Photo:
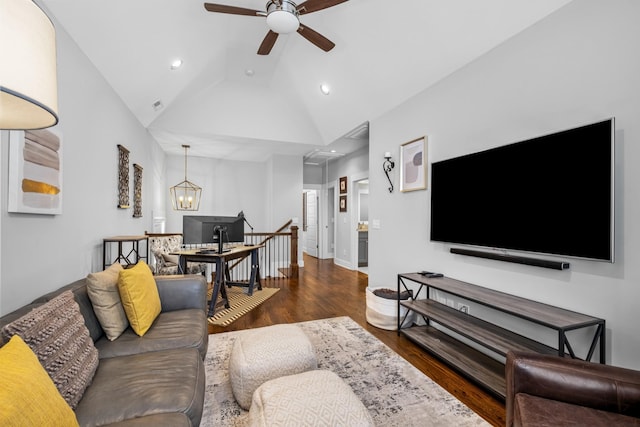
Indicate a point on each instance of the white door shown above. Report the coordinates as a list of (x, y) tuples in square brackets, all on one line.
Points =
[(312, 223)]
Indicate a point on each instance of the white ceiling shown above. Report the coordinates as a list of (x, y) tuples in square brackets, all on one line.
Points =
[(386, 52)]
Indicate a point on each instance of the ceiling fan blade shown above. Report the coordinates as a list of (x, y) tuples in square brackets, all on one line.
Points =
[(316, 38), (221, 8), (267, 43), (316, 5)]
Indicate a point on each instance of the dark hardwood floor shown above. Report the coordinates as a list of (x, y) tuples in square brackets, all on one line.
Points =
[(325, 290)]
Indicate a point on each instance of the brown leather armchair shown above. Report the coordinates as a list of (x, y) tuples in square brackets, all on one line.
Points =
[(545, 390)]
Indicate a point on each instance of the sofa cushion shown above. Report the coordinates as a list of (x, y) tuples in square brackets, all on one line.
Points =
[(28, 397), (56, 333), (103, 292), (267, 353), (317, 398), (140, 385), (174, 329), (140, 297), (158, 420), (537, 411)]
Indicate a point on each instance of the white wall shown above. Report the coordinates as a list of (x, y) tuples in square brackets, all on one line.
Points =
[(228, 187), (42, 252), (577, 66), (355, 167), (285, 194)]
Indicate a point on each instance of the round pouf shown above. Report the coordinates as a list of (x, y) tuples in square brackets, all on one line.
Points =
[(314, 398), (267, 353)]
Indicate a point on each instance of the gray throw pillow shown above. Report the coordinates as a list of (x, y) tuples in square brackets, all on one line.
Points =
[(57, 334), (103, 292)]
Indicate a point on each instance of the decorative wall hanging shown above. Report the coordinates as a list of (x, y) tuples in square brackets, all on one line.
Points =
[(123, 177), (343, 203), (343, 185), (35, 171), (413, 169), (137, 191)]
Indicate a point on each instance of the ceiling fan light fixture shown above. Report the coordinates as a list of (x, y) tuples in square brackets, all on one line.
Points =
[(282, 18)]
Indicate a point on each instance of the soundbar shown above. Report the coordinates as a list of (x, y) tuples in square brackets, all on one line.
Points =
[(536, 262)]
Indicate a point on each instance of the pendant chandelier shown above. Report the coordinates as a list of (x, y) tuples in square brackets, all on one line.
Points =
[(185, 196)]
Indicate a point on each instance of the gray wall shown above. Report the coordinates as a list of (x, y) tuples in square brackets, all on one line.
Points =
[(39, 253), (43, 252), (355, 167), (577, 66)]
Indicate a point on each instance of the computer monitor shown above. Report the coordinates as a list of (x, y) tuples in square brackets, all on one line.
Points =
[(206, 229)]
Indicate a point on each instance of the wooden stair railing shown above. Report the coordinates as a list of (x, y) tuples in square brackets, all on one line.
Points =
[(292, 236)]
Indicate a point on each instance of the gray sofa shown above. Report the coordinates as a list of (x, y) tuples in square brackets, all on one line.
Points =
[(154, 380)]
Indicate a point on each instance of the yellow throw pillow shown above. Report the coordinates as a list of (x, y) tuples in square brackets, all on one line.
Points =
[(28, 396), (140, 298)]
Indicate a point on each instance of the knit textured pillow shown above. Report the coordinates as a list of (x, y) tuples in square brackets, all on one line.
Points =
[(57, 334)]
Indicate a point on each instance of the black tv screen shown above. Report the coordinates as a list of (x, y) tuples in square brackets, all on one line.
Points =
[(550, 195)]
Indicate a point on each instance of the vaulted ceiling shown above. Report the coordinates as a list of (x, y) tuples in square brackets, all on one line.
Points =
[(228, 102)]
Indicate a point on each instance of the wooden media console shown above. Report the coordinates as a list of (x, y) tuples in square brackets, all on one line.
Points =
[(478, 366)]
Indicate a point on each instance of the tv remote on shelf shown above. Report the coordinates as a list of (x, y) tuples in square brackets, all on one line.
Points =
[(430, 274)]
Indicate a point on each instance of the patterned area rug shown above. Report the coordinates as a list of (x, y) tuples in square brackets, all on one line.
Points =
[(240, 304), (394, 391)]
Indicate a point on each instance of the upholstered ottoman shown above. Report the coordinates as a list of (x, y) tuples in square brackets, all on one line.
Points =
[(314, 398), (265, 354)]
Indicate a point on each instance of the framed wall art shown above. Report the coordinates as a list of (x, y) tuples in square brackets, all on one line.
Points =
[(343, 203), (123, 177), (413, 160), (35, 171), (343, 185)]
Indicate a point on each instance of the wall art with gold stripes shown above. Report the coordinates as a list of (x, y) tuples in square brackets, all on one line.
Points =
[(35, 171)]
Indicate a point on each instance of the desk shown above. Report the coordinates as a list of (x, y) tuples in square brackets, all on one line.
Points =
[(222, 269)]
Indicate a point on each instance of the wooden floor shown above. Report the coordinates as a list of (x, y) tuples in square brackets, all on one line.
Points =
[(325, 290)]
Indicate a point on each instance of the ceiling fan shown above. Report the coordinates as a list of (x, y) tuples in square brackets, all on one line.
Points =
[(282, 18)]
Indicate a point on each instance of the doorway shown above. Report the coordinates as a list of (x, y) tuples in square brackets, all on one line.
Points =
[(310, 222), (362, 211)]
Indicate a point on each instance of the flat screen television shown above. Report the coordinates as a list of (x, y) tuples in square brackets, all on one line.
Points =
[(550, 195), (198, 229)]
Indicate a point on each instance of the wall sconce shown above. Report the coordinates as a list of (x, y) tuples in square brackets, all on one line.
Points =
[(28, 83), (387, 166)]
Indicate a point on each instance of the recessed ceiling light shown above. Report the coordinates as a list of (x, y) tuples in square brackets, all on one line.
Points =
[(176, 64), (325, 89), (249, 72)]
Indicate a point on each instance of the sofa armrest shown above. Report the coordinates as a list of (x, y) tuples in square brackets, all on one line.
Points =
[(577, 382), (179, 292)]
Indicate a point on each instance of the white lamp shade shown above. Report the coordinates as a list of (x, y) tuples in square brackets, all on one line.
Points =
[(28, 81), (282, 22)]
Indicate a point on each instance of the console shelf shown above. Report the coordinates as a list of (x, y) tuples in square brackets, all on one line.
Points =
[(481, 368)]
